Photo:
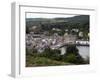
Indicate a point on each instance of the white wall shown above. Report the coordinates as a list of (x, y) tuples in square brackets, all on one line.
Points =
[(5, 39)]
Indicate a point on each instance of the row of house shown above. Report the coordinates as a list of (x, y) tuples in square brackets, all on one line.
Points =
[(42, 41)]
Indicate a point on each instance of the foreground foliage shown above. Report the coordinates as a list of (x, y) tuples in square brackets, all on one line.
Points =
[(53, 57)]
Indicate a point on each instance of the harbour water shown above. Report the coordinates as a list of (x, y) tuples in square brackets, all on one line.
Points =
[(84, 51)]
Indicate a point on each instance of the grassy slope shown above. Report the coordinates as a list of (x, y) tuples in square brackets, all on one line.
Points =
[(32, 61)]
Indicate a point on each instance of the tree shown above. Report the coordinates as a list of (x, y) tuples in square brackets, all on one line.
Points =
[(72, 49), (72, 55), (51, 54)]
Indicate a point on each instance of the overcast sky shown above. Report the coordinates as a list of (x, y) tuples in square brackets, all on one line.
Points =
[(39, 15)]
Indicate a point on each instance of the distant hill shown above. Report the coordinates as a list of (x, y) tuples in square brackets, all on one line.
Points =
[(80, 22)]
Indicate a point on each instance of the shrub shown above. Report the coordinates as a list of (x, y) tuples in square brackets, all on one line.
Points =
[(72, 49), (52, 54), (72, 55), (31, 51), (71, 58)]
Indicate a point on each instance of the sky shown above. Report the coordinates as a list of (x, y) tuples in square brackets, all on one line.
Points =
[(44, 15)]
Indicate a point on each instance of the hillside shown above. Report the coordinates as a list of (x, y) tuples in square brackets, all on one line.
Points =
[(80, 22)]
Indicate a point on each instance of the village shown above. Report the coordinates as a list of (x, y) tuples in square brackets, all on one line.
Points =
[(41, 41)]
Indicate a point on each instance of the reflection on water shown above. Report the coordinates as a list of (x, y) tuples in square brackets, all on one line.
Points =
[(84, 51)]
